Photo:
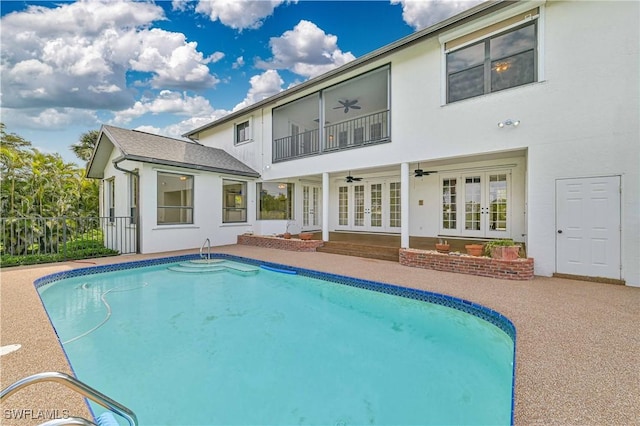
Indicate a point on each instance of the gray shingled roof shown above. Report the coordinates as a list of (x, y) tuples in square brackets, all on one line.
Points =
[(149, 148)]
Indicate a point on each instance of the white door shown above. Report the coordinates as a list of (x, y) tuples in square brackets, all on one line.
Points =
[(367, 198), (311, 207), (588, 226), (483, 200), (369, 206)]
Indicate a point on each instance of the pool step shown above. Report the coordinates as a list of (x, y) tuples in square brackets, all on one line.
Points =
[(215, 265)]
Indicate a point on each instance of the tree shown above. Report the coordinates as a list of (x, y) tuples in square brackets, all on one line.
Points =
[(84, 147)]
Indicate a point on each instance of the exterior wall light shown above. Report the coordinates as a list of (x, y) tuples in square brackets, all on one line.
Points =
[(509, 122)]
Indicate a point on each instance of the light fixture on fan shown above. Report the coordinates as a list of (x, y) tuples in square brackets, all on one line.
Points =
[(419, 172), (509, 122), (350, 178), (347, 105)]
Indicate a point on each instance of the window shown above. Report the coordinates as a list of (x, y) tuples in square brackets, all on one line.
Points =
[(243, 132), (234, 201), (476, 204), (495, 63), (275, 201), (343, 206), (395, 208), (133, 197), (110, 199), (175, 199)]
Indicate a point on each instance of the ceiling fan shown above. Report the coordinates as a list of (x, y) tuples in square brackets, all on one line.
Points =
[(352, 179), (347, 104), (419, 172)]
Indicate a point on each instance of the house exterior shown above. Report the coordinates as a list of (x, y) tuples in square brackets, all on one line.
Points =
[(510, 120)]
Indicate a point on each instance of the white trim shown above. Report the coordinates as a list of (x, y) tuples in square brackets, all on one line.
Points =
[(520, 7), (491, 34)]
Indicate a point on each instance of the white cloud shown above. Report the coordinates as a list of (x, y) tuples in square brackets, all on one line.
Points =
[(167, 102), (78, 55), (263, 85), (238, 14), (306, 50), (173, 62), (421, 13), (239, 63), (48, 119), (178, 129)]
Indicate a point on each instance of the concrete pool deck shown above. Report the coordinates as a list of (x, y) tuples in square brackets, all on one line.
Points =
[(578, 342)]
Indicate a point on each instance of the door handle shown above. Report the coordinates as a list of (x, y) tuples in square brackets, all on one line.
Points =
[(559, 231)]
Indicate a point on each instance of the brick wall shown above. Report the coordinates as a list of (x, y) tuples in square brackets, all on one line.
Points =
[(292, 244), (519, 269)]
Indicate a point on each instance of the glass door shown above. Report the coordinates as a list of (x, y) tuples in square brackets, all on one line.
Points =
[(476, 205), (311, 207), (369, 206)]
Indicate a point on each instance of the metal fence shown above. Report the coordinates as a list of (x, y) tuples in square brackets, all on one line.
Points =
[(66, 237)]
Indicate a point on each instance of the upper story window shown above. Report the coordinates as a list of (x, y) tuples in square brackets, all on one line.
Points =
[(175, 198), (234, 201), (495, 62), (243, 132)]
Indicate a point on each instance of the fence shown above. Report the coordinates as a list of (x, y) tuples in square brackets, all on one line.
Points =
[(46, 239)]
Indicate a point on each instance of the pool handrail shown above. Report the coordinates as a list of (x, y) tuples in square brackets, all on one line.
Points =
[(75, 385), (208, 243)]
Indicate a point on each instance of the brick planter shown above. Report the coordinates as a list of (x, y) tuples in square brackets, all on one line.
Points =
[(519, 269), (292, 244)]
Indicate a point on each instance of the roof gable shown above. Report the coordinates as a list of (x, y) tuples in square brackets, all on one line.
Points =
[(149, 148)]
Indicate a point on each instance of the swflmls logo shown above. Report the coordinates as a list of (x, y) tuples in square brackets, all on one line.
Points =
[(31, 414)]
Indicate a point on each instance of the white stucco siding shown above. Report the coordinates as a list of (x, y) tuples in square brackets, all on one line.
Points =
[(589, 127), (207, 213), (121, 233), (580, 119)]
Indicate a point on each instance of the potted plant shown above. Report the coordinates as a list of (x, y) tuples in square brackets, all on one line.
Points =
[(443, 247), (474, 249), (306, 235), (503, 249)]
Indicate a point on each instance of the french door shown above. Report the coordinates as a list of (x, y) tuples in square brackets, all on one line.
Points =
[(476, 204), (372, 206), (311, 207)]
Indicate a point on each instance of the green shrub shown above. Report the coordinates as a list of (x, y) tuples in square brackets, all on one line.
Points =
[(32, 259)]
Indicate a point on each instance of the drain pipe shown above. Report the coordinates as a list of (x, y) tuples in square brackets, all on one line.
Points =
[(137, 216)]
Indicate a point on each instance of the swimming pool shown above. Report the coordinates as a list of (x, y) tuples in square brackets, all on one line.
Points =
[(249, 345)]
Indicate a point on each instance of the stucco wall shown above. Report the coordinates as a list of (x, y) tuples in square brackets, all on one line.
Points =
[(579, 120)]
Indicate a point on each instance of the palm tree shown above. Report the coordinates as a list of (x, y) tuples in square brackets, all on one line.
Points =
[(84, 147)]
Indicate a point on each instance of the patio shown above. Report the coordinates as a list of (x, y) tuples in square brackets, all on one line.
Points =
[(578, 343)]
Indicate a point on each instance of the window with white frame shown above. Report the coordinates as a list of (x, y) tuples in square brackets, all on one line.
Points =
[(133, 198), (243, 132), (175, 199), (234, 201), (495, 58), (110, 199)]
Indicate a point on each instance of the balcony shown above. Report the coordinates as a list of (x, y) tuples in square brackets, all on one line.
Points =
[(361, 131)]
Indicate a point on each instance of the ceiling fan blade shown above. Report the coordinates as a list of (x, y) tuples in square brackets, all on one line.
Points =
[(346, 110), (356, 107), (338, 107)]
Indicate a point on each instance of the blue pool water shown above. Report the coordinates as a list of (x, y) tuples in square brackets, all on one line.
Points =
[(248, 345)]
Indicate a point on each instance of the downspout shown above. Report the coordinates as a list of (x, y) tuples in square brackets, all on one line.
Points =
[(134, 173)]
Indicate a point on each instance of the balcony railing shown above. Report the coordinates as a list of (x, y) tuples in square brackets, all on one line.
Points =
[(365, 130), (27, 240), (300, 145)]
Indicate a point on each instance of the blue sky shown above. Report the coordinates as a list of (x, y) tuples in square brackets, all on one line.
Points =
[(167, 67)]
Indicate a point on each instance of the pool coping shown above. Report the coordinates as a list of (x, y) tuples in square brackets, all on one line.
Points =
[(487, 314)]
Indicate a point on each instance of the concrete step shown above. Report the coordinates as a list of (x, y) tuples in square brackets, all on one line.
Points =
[(361, 250)]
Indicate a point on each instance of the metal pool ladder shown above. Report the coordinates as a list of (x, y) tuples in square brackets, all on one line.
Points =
[(207, 242), (77, 386)]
